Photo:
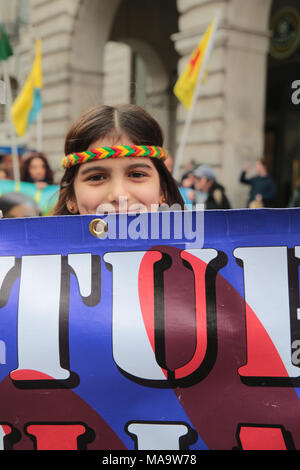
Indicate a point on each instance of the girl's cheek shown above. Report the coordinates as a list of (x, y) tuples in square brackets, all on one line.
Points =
[(153, 197), (87, 199), (92, 201)]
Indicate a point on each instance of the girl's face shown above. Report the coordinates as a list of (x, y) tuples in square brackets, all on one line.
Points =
[(37, 169), (116, 185)]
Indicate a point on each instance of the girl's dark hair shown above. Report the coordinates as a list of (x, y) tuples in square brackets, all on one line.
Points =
[(115, 122), (25, 172)]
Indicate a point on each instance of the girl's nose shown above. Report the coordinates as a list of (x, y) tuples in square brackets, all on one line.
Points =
[(118, 195)]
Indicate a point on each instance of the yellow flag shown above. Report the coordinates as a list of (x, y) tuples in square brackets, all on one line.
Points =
[(185, 85), (28, 103)]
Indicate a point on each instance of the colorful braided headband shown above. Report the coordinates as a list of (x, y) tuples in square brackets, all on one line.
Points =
[(114, 152)]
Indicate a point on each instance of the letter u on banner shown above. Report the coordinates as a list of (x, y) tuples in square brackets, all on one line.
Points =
[(136, 321)]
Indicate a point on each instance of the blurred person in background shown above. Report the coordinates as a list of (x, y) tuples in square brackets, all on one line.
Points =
[(4, 173), (36, 169), (190, 166), (207, 190), (14, 205), (295, 198), (262, 186), (186, 188)]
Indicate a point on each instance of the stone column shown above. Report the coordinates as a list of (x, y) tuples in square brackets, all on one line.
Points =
[(247, 44), (53, 23)]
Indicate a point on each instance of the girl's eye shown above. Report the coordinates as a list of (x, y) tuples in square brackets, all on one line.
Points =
[(137, 174), (96, 177)]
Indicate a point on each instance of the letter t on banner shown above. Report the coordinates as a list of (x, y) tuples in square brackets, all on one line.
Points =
[(38, 345)]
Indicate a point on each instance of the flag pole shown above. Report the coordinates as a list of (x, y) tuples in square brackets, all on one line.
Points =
[(2, 92), (189, 117), (16, 169), (39, 127), (39, 132)]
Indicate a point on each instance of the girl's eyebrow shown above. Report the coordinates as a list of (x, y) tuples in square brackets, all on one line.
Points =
[(139, 165), (94, 168), (109, 170)]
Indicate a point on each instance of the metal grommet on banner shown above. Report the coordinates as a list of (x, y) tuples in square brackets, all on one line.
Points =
[(98, 228)]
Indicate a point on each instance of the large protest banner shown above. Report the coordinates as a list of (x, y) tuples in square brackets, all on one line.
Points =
[(150, 334)]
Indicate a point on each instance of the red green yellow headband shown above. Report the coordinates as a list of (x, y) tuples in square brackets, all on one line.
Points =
[(114, 152)]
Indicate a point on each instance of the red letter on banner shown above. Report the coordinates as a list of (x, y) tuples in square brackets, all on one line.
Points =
[(255, 437), (56, 436)]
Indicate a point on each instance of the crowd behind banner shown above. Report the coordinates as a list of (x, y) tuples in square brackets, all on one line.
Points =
[(36, 193), (198, 185)]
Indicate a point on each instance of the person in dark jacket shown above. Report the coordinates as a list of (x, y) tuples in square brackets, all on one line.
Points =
[(207, 190), (295, 198), (262, 185)]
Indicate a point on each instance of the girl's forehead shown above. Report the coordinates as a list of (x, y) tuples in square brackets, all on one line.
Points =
[(110, 141), (36, 161)]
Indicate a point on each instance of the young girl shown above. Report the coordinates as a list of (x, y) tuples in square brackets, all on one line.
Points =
[(114, 158), (36, 169)]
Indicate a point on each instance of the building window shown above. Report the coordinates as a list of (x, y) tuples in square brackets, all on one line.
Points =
[(138, 81), (3, 108)]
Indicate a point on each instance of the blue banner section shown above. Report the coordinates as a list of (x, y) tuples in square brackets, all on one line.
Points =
[(160, 332), (7, 150)]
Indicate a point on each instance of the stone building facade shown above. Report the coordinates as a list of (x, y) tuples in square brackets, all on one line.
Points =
[(111, 51)]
